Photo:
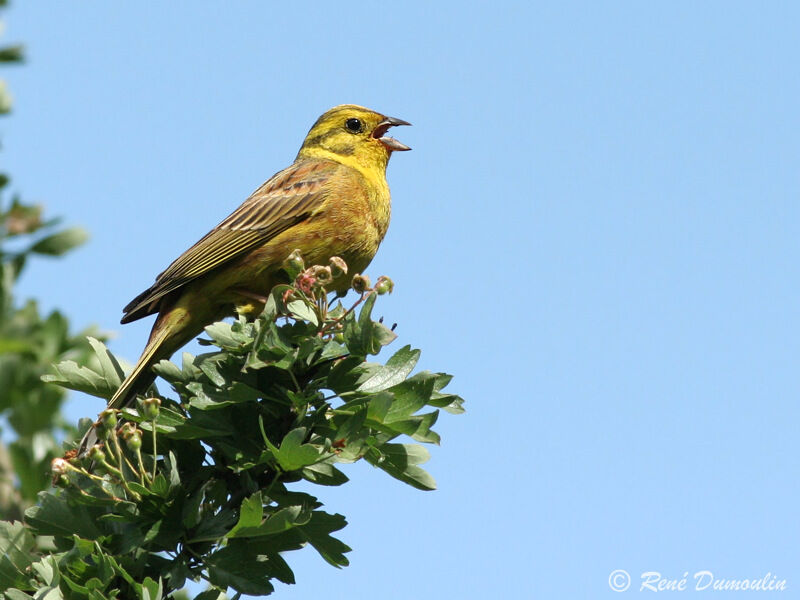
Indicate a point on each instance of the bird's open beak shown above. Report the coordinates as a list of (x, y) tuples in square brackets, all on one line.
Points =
[(389, 142)]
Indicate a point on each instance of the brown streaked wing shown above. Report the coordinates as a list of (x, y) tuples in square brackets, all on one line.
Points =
[(290, 196)]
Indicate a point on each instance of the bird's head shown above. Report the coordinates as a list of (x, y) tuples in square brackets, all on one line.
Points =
[(353, 135)]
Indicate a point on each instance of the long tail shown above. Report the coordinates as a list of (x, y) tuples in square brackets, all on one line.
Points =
[(169, 332)]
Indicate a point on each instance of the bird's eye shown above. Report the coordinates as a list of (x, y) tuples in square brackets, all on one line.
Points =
[(354, 126)]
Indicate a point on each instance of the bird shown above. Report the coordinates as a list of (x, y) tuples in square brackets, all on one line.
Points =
[(333, 200)]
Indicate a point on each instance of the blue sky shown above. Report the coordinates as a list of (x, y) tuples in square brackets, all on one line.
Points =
[(597, 233)]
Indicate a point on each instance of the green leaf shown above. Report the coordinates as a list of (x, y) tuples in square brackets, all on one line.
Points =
[(279, 521), (293, 453), (214, 527), (169, 371), (324, 473), (54, 517), (449, 402), (102, 383), (55, 594), (417, 427), (251, 513), (81, 379), (352, 425), (397, 368), (15, 594), (191, 510), (364, 336), (211, 594), (231, 336), (152, 590), (331, 350), (233, 566), (409, 397), (171, 466), (210, 365), (207, 398), (47, 570), (302, 311), (61, 242), (365, 315), (317, 533), (400, 461), (379, 406), (11, 54), (5, 98), (348, 373), (380, 336), (16, 554), (110, 368), (168, 421)]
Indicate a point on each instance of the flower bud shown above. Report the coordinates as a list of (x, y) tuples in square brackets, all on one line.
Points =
[(338, 266), (294, 264), (384, 285), (361, 283), (305, 282), (59, 466), (133, 438), (150, 408), (96, 453), (323, 275), (108, 419)]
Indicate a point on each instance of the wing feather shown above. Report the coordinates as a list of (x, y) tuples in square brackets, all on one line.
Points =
[(289, 197)]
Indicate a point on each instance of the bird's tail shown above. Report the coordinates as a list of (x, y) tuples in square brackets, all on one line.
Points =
[(139, 379)]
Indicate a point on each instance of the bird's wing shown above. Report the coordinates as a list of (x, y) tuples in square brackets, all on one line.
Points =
[(289, 197)]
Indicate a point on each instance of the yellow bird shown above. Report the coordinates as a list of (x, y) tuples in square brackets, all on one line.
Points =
[(332, 201)]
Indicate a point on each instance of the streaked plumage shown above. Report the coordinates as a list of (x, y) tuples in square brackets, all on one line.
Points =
[(332, 201)]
